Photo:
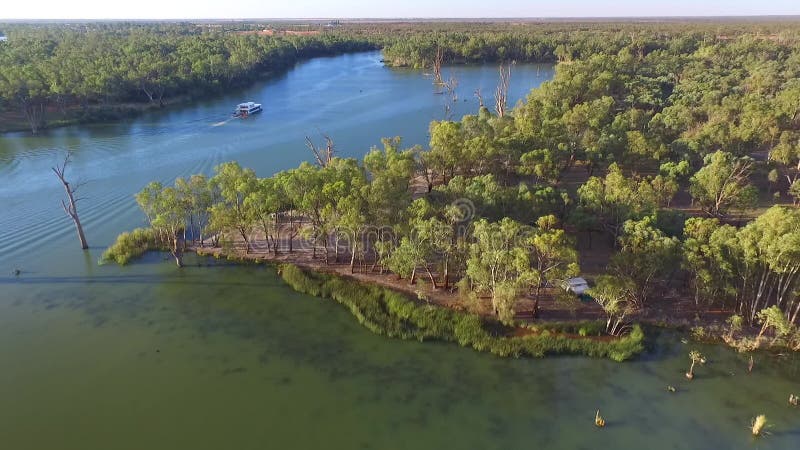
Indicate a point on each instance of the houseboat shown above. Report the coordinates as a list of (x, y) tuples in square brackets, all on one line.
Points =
[(245, 109)]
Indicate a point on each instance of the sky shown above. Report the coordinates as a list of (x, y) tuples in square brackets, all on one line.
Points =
[(228, 9)]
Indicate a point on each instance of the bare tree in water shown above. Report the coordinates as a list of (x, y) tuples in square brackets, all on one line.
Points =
[(323, 156), (479, 96), (501, 94), (70, 205), (437, 67)]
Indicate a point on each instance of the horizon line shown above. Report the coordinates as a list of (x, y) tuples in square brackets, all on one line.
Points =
[(418, 18)]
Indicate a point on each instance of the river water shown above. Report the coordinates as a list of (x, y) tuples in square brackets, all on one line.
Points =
[(227, 357)]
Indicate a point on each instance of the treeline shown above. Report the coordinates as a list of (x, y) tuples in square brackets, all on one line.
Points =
[(416, 45), (50, 68)]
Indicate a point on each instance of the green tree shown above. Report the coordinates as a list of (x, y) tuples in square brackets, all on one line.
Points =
[(553, 256), (646, 257), (723, 183), (616, 199), (232, 213), (165, 210), (499, 264), (614, 295)]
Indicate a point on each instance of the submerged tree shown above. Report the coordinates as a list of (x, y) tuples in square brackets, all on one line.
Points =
[(70, 207), (695, 357)]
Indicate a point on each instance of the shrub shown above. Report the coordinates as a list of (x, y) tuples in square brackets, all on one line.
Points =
[(130, 245), (390, 313)]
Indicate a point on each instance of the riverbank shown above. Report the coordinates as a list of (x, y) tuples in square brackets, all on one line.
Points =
[(12, 121), (570, 320), (62, 115), (391, 308), (387, 312)]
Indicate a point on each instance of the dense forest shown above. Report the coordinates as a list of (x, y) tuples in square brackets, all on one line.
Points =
[(62, 71), (58, 73), (672, 150)]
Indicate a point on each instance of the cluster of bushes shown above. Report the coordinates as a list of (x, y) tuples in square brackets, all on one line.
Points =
[(392, 314), (130, 245)]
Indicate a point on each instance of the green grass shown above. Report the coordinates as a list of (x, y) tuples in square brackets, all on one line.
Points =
[(130, 245), (390, 313)]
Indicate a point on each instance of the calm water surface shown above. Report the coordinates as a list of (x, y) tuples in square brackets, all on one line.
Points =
[(148, 356)]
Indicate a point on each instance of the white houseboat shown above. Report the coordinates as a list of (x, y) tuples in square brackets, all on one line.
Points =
[(245, 109)]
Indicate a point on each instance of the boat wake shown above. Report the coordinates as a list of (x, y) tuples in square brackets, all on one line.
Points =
[(219, 124)]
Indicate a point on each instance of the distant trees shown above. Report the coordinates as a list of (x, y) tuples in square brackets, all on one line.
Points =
[(53, 67)]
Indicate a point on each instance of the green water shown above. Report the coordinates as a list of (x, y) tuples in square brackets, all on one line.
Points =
[(226, 357)]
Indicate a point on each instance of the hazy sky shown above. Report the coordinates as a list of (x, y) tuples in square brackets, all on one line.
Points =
[(170, 9)]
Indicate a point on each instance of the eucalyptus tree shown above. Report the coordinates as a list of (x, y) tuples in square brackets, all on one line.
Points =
[(553, 256), (198, 197), (303, 187), (265, 203), (753, 268), (165, 210), (613, 294), (616, 199), (445, 157), (499, 264), (343, 204), (233, 213), (387, 194), (647, 257), (710, 252), (723, 183), (787, 154)]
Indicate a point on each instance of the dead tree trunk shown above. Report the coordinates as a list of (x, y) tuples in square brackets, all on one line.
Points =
[(479, 96), (323, 157), (501, 93), (437, 67), (71, 209)]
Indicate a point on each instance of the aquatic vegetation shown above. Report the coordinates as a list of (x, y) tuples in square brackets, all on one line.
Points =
[(757, 427), (130, 245), (695, 357), (599, 421), (390, 313)]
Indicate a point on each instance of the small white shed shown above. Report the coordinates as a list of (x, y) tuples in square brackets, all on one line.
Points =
[(576, 285)]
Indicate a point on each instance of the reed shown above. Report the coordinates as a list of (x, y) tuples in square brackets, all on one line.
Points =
[(129, 246), (390, 313)]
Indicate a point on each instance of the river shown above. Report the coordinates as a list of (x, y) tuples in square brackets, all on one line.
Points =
[(227, 357)]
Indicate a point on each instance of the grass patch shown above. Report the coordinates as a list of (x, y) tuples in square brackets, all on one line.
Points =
[(390, 313), (129, 246)]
